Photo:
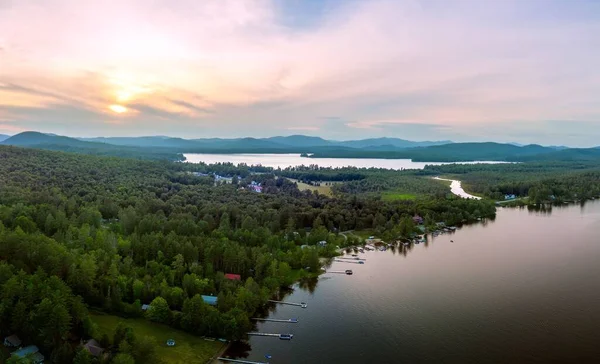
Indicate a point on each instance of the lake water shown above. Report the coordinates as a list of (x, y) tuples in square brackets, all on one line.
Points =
[(524, 288), (287, 160)]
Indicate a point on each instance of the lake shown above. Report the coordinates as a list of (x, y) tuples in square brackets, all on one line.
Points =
[(287, 160), (523, 288)]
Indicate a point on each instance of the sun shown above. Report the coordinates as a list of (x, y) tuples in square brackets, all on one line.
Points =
[(119, 109)]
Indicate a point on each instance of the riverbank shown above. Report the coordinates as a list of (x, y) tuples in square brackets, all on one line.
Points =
[(456, 188)]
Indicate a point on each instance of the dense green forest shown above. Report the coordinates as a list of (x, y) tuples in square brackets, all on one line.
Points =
[(554, 181), (81, 232)]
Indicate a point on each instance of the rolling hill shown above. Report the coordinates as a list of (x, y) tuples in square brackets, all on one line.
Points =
[(3, 137), (32, 139), (293, 143)]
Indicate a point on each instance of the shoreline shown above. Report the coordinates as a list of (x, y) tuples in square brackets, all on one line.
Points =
[(215, 358)]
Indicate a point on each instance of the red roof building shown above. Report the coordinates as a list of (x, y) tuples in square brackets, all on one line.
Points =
[(233, 277)]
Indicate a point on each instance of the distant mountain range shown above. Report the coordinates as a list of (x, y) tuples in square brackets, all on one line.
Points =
[(161, 147), (3, 137), (32, 139), (278, 142)]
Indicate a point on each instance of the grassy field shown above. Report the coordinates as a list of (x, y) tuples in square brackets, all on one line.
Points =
[(324, 190), (188, 348), (395, 196)]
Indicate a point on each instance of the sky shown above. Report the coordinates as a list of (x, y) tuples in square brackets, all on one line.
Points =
[(525, 71)]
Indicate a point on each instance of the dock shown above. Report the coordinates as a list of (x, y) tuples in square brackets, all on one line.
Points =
[(263, 334), (301, 304), (349, 262), (240, 361), (280, 336), (347, 271), (286, 321)]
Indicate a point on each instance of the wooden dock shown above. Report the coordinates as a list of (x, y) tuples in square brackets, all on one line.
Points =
[(263, 334), (349, 262), (227, 360), (286, 321), (301, 304)]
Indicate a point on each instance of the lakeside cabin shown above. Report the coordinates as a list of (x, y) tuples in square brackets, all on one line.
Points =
[(94, 348), (211, 300), (418, 220), (12, 341), (31, 352), (233, 277)]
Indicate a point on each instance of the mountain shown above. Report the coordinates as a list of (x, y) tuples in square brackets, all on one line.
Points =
[(455, 152), (389, 142), (32, 139), (144, 141), (292, 143), (3, 137), (300, 141), (564, 155)]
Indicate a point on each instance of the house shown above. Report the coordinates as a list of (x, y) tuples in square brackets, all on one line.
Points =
[(28, 350), (255, 186), (417, 219), (200, 174), (211, 300), (233, 277), (145, 307), (94, 348), (510, 196), (322, 243), (12, 341)]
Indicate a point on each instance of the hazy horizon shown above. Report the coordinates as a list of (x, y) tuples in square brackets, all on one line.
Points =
[(464, 70)]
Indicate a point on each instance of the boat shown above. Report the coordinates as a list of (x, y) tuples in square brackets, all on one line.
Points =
[(354, 255), (361, 262), (286, 336), (303, 304), (293, 320), (349, 272)]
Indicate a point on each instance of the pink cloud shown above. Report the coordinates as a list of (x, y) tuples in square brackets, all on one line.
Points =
[(230, 62)]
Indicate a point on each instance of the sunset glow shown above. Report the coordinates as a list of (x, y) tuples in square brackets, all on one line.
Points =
[(118, 108), (338, 69)]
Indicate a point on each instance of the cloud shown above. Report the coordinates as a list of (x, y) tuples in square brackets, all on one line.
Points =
[(465, 65), (303, 128)]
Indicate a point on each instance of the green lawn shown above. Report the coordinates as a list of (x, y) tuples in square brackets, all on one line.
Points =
[(395, 196), (324, 190), (188, 348)]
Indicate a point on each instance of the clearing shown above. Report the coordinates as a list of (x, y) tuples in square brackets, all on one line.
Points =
[(322, 189), (188, 348), (396, 196)]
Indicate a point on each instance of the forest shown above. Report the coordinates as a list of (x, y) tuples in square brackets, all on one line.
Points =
[(82, 233), (541, 182)]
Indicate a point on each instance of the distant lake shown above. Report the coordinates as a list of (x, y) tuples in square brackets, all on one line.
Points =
[(291, 160), (523, 288)]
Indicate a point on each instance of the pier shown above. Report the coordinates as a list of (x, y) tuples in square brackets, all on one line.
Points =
[(349, 262), (227, 360), (286, 321), (280, 336), (347, 271), (263, 334), (301, 304)]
